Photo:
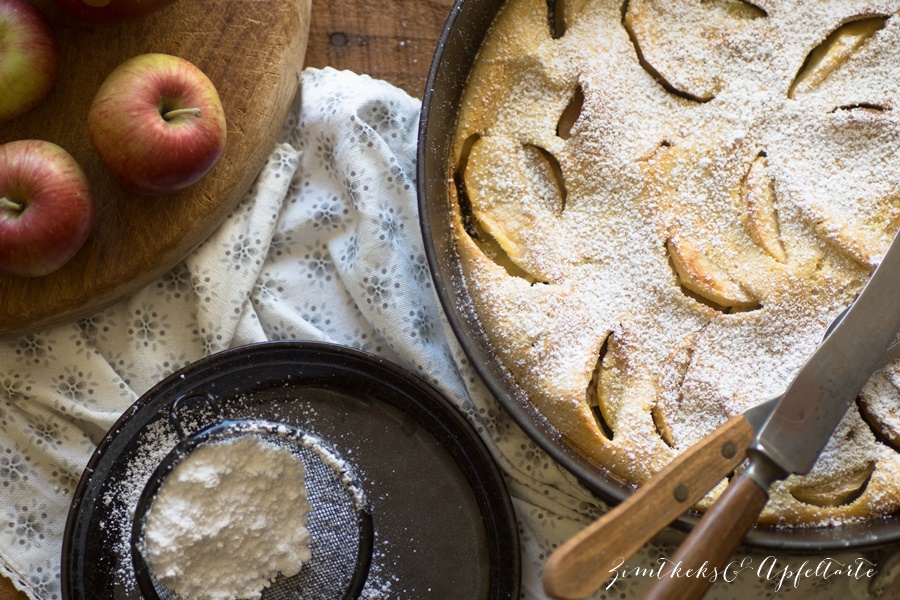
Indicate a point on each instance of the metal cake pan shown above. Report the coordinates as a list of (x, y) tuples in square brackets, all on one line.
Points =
[(457, 49)]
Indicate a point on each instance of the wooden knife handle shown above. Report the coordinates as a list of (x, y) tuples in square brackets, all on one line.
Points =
[(581, 565), (711, 544)]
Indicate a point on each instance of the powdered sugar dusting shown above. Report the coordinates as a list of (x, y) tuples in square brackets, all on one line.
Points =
[(680, 99)]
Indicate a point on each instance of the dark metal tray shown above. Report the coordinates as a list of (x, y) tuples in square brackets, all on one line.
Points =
[(444, 523)]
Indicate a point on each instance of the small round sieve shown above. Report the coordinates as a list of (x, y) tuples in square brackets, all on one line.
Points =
[(339, 520)]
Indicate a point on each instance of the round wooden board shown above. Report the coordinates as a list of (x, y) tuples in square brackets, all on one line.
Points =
[(252, 50)]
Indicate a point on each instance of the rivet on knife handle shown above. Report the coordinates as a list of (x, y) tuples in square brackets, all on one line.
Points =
[(711, 543), (581, 565)]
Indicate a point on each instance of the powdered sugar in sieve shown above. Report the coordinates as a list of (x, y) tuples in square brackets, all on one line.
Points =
[(226, 474)]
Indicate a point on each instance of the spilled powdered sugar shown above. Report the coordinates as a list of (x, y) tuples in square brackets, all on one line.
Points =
[(121, 498)]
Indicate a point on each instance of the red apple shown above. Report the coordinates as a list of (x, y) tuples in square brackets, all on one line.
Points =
[(158, 124), (110, 11), (28, 58), (46, 210)]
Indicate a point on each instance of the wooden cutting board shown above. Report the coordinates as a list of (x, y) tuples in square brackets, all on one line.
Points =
[(252, 50)]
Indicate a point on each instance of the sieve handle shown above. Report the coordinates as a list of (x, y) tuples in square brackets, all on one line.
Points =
[(176, 410)]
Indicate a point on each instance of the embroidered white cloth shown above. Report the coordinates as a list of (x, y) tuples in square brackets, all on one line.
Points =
[(325, 246)]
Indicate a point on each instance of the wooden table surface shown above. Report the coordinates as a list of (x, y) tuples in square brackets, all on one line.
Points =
[(392, 40)]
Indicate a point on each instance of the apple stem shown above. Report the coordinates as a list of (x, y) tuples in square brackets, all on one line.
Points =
[(7, 203), (181, 111)]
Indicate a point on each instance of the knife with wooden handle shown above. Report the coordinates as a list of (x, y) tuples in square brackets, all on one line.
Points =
[(800, 425), (581, 565)]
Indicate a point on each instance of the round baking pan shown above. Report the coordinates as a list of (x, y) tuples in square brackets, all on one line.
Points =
[(443, 521), (457, 49)]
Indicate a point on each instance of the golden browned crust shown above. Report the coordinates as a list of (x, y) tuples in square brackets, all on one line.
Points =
[(661, 205)]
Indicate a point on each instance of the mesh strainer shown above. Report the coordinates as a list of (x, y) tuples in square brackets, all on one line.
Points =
[(339, 522)]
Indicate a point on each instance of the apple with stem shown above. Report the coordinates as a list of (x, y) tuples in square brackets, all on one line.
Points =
[(110, 11), (157, 122), (29, 58), (46, 208)]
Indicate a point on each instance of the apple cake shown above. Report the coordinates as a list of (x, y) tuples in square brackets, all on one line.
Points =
[(660, 205)]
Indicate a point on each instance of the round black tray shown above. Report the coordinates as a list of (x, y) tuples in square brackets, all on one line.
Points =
[(444, 523)]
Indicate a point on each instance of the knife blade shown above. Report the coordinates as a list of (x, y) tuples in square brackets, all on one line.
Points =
[(799, 427)]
